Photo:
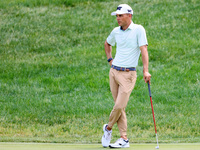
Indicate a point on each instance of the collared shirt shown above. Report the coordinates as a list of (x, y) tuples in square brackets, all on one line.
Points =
[(128, 44)]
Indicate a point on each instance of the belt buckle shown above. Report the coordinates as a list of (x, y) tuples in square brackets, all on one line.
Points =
[(127, 70)]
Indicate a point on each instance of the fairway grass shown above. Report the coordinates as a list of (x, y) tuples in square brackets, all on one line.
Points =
[(36, 146)]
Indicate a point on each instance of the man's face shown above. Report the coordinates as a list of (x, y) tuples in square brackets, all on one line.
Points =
[(123, 19)]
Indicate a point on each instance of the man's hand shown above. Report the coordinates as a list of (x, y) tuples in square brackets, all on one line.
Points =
[(147, 77)]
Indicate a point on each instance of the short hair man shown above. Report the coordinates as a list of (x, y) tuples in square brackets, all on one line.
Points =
[(130, 40)]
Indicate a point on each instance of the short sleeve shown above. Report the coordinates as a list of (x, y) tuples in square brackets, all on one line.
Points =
[(142, 38), (111, 38)]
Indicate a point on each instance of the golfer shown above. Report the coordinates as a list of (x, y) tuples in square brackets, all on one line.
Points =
[(130, 40)]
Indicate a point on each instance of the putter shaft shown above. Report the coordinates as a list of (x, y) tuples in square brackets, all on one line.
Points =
[(153, 113)]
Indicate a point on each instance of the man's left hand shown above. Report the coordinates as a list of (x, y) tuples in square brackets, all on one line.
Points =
[(147, 77)]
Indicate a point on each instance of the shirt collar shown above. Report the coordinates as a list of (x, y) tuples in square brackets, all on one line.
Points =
[(131, 26)]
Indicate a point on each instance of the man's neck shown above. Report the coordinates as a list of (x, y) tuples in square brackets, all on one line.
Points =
[(126, 26)]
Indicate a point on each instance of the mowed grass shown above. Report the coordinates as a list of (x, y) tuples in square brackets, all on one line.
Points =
[(32, 146), (54, 84)]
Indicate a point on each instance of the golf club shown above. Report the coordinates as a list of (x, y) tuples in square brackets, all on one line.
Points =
[(157, 147)]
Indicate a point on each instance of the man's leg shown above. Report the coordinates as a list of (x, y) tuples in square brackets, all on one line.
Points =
[(118, 113), (114, 87), (122, 125), (126, 81), (107, 130)]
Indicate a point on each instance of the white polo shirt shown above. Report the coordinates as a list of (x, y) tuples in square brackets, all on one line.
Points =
[(128, 44)]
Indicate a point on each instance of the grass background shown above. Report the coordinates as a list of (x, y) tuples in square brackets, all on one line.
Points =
[(54, 84)]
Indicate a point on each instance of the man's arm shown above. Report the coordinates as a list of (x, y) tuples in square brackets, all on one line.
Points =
[(145, 60), (108, 50)]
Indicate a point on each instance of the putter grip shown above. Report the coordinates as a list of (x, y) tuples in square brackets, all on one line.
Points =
[(149, 89)]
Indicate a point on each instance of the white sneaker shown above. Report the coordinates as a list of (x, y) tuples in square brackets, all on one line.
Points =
[(120, 143), (106, 136)]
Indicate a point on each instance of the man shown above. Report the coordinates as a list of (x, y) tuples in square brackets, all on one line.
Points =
[(130, 41)]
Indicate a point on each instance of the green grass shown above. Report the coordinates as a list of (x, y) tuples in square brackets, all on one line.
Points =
[(35, 3), (54, 84), (33, 146)]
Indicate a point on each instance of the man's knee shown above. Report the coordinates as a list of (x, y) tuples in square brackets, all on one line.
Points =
[(118, 108)]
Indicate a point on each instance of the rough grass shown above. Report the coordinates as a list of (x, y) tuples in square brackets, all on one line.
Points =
[(54, 83)]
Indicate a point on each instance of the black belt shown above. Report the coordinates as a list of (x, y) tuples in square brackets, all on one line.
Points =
[(123, 68)]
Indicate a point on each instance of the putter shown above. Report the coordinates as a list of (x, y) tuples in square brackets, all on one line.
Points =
[(157, 147)]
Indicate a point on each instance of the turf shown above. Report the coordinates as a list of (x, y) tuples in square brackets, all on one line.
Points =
[(54, 84), (31, 146)]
